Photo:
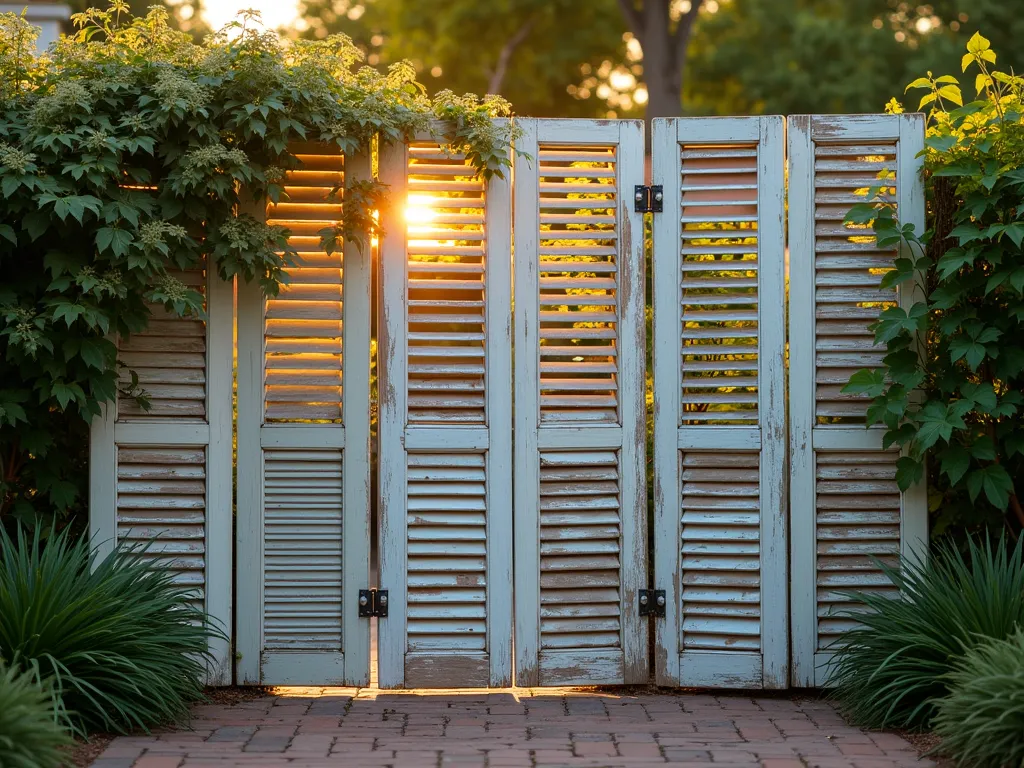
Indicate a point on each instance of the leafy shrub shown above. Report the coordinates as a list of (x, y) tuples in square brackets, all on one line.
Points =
[(966, 276), (981, 721), (29, 735), (128, 154), (122, 646), (889, 671)]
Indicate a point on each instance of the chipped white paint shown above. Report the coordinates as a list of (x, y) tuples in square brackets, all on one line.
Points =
[(719, 445), (445, 424), (164, 475), (845, 505), (303, 447), (580, 511)]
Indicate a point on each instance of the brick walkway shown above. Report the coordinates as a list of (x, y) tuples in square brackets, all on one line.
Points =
[(512, 729)]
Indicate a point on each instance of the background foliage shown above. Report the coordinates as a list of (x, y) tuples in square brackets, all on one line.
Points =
[(961, 344), (744, 56), (123, 159)]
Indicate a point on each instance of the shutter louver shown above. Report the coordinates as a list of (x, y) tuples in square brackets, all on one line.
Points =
[(721, 559), (846, 507), (848, 269), (858, 525), (719, 283), (446, 305), (447, 553), (580, 531), (578, 284), (161, 504), (169, 357), (303, 323), (302, 530)]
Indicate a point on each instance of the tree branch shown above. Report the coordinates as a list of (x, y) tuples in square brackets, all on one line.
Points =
[(633, 18), (501, 68), (681, 35)]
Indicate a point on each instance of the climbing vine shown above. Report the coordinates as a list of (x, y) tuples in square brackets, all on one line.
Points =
[(129, 153)]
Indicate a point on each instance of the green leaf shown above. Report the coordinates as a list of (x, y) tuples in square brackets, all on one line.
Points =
[(909, 471), (866, 381), (7, 233), (955, 461), (994, 481)]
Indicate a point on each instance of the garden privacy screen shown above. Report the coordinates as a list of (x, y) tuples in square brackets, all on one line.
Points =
[(509, 484)]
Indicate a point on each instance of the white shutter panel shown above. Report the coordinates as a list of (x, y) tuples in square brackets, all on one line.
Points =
[(163, 475), (445, 429), (580, 511), (846, 507), (303, 446), (720, 544)]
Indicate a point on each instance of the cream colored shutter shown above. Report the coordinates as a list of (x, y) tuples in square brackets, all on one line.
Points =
[(580, 502), (303, 446), (720, 543), (445, 428), (846, 507), (162, 477)]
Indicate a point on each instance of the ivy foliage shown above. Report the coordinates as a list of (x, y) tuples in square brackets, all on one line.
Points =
[(129, 153), (952, 385)]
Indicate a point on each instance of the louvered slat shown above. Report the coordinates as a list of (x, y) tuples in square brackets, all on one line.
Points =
[(302, 559), (848, 270), (447, 551), (578, 299), (857, 522), (169, 357), (580, 529), (161, 504), (721, 562), (446, 297), (303, 323), (719, 283)]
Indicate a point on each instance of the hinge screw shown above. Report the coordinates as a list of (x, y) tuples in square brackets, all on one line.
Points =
[(363, 600), (643, 599), (658, 197), (383, 599), (639, 197), (661, 601)]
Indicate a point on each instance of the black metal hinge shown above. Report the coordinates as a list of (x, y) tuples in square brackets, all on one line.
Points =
[(648, 199), (652, 602), (373, 602)]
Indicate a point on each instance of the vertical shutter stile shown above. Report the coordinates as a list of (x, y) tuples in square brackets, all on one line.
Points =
[(445, 438), (303, 444), (720, 543), (846, 508), (580, 517)]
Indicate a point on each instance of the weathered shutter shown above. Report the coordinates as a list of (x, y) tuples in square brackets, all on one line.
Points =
[(719, 400), (845, 506), (303, 445), (580, 502), (445, 425), (161, 477)]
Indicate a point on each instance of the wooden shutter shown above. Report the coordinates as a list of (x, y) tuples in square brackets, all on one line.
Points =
[(162, 477), (580, 511), (303, 446), (719, 451), (445, 428), (846, 508)]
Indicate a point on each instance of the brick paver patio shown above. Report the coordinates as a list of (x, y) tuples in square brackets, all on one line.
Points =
[(512, 729)]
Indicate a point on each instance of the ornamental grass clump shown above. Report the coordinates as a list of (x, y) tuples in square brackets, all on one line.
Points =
[(30, 737), (119, 644), (981, 721), (889, 671)]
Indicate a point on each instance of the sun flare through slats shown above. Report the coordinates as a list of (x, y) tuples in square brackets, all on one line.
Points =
[(446, 296)]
